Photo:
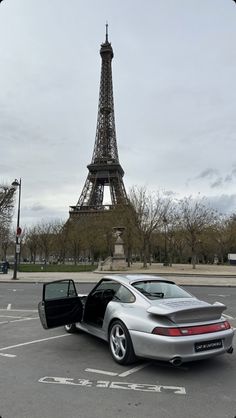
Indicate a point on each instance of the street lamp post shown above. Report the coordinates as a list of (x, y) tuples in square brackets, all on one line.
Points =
[(17, 183), (165, 232)]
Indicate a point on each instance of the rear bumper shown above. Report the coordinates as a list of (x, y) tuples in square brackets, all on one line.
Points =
[(166, 348)]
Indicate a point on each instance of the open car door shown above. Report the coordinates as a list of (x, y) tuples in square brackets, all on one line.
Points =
[(60, 304)]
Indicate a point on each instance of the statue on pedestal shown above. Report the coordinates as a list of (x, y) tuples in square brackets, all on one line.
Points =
[(118, 259)]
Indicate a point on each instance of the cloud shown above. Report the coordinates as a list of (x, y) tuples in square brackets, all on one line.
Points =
[(216, 177), (169, 193), (224, 181), (37, 207), (234, 170), (228, 178), (223, 203), (208, 173), (217, 183)]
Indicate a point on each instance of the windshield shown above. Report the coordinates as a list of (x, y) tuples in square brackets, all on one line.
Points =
[(160, 290)]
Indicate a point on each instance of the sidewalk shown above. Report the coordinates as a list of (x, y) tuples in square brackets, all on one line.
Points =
[(183, 274)]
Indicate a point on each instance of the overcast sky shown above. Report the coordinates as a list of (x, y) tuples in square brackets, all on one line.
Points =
[(174, 87)]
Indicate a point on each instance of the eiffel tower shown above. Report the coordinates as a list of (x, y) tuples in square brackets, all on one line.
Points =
[(104, 169)]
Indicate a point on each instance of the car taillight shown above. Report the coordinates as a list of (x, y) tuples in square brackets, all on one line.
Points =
[(195, 330), (169, 332)]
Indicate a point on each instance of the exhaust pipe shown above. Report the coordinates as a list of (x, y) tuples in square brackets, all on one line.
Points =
[(176, 361), (230, 350)]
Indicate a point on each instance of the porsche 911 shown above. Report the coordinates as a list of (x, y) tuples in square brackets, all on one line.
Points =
[(140, 316)]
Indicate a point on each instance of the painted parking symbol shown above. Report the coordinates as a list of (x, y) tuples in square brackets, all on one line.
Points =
[(106, 384)]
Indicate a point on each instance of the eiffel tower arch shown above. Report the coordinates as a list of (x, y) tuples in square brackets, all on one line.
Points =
[(105, 169)]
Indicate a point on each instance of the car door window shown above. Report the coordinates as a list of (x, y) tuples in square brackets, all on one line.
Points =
[(124, 295), (60, 290), (60, 304)]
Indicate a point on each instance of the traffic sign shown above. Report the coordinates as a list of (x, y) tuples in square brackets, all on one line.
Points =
[(18, 231)]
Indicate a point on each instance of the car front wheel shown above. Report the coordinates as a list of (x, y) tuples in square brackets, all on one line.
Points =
[(120, 343)]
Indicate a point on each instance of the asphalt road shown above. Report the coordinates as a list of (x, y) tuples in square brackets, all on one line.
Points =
[(27, 295), (53, 374)]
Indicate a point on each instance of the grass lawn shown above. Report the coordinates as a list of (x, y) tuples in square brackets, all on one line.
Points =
[(30, 268)]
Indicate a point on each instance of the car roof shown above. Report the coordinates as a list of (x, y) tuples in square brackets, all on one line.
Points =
[(130, 278)]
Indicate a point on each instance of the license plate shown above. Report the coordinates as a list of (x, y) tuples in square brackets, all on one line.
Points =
[(208, 345)]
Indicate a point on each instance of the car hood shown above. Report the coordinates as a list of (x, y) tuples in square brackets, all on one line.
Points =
[(186, 310)]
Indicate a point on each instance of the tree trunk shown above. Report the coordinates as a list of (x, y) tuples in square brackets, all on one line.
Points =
[(194, 260), (145, 250)]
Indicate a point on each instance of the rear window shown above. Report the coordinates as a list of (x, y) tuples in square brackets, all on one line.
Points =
[(160, 290)]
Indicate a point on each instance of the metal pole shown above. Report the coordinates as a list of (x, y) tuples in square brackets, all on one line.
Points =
[(17, 236)]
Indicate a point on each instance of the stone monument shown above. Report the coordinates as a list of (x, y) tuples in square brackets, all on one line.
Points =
[(119, 259)]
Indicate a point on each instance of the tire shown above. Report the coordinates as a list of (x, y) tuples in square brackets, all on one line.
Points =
[(120, 343), (70, 328)]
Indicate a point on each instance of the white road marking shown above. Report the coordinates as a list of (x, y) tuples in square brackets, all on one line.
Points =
[(101, 372), (124, 374), (34, 342), (24, 319), (216, 294), (9, 307), (20, 310), (7, 355), (227, 316), (141, 387), (15, 319), (134, 370)]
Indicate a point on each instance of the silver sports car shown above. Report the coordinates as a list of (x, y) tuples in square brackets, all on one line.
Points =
[(140, 316)]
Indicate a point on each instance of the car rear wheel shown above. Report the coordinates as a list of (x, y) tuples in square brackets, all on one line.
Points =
[(120, 343), (70, 328)]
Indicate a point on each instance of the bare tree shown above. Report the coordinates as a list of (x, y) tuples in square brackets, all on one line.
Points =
[(32, 242), (6, 211), (5, 240), (230, 229), (6, 204), (149, 211), (74, 240), (59, 242), (45, 237), (195, 216)]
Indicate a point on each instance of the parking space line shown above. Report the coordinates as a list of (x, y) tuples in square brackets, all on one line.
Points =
[(7, 355), (221, 296), (24, 319), (101, 372), (20, 310), (134, 370), (12, 319), (124, 374), (228, 316), (34, 342)]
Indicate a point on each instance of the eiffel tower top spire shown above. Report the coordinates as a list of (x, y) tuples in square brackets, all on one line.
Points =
[(106, 32), (104, 169)]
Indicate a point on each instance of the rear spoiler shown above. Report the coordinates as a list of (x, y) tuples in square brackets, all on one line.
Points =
[(202, 311)]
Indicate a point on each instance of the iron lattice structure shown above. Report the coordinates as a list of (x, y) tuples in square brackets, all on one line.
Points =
[(105, 169)]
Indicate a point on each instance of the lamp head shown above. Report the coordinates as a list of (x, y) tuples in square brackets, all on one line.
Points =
[(15, 183)]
